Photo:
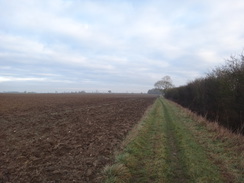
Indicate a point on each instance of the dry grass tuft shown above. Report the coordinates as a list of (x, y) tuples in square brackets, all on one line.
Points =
[(116, 173)]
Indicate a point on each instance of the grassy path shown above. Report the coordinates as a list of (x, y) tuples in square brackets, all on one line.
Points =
[(176, 165), (170, 145)]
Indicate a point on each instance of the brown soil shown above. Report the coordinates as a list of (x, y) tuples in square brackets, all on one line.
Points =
[(56, 138)]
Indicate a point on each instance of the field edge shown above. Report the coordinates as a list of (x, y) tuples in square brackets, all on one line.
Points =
[(198, 144)]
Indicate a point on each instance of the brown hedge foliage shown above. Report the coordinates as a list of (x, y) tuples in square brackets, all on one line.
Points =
[(219, 96)]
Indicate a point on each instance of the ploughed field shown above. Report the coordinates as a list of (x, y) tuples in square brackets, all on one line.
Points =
[(63, 137)]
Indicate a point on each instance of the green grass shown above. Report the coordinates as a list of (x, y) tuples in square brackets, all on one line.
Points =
[(223, 148), (144, 156), (170, 145), (193, 159)]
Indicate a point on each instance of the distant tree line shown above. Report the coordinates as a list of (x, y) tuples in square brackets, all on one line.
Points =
[(154, 91), (219, 96)]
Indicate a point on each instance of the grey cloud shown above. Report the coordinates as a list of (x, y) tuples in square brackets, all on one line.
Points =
[(115, 43)]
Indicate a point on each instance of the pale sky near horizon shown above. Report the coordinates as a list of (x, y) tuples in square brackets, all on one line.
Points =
[(118, 45)]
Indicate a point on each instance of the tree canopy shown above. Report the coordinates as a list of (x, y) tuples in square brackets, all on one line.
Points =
[(164, 84)]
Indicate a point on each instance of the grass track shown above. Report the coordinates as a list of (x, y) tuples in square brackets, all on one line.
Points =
[(170, 146)]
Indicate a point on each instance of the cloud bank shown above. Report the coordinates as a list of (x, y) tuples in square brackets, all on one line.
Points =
[(69, 45)]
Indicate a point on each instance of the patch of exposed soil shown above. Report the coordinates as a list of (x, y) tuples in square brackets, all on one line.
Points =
[(63, 137)]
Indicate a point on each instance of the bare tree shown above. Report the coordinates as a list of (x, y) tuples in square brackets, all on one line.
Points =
[(164, 84)]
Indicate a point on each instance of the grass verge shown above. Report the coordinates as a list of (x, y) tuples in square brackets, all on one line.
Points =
[(172, 145), (224, 148), (143, 159)]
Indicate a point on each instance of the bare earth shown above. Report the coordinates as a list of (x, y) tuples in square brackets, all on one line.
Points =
[(56, 138)]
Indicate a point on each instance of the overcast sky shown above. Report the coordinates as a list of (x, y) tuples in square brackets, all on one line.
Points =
[(118, 45)]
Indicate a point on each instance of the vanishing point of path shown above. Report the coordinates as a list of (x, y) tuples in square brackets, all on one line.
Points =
[(171, 145)]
